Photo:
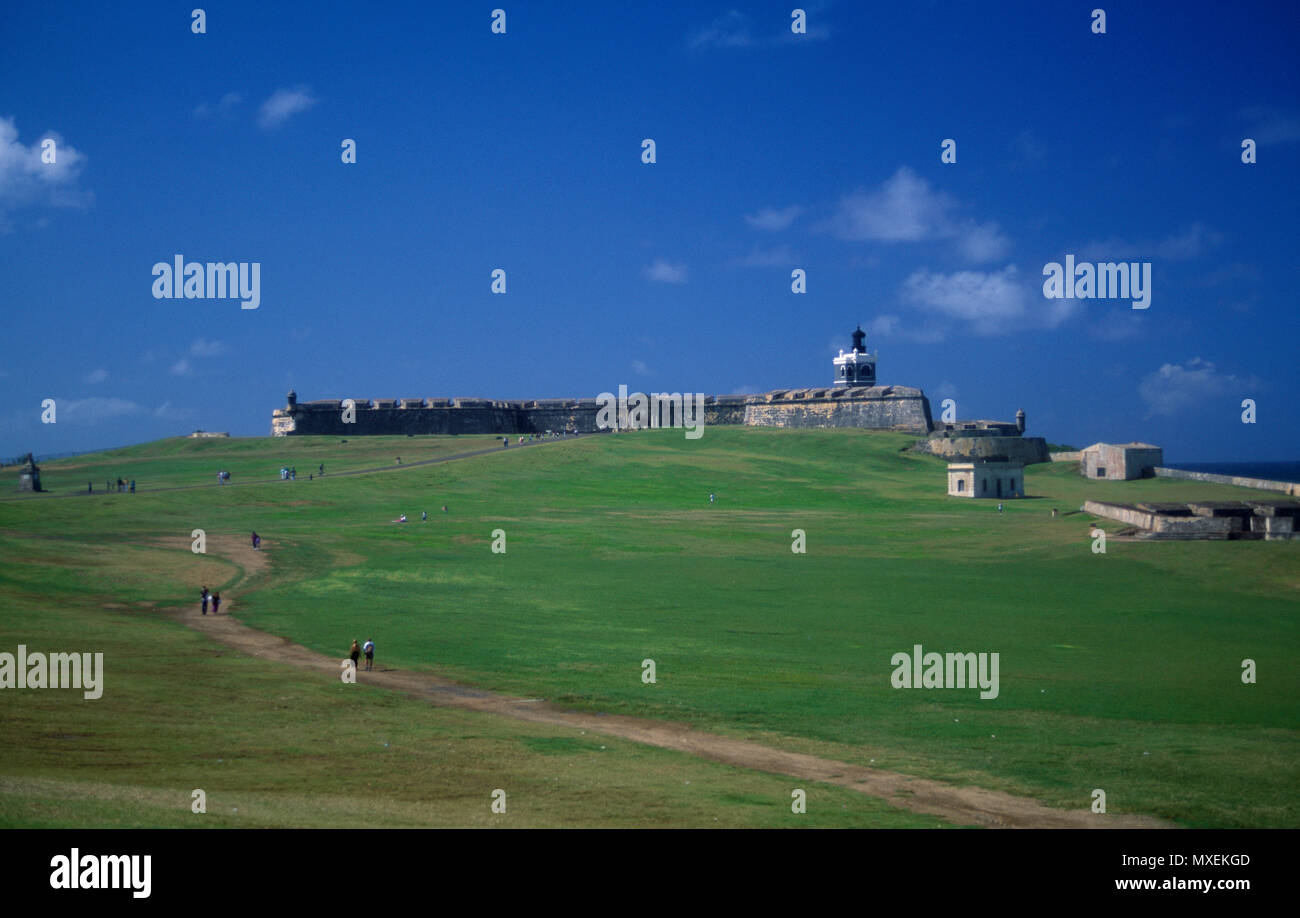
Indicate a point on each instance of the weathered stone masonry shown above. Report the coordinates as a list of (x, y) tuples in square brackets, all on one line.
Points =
[(876, 407), (853, 399)]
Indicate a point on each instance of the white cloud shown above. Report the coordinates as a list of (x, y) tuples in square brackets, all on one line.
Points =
[(1173, 389), (883, 326), (666, 272), (96, 376), (25, 179), (1055, 310), (774, 218), (1191, 242), (903, 210), (979, 242), (203, 347), (1027, 148), (944, 390), (890, 326), (1117, 325), (990, 302), (906, 209), (284, 104), (639, 368), (1272, 126), (734, 29), (780, 257), (224, 107), (166, 411), (91, 410)]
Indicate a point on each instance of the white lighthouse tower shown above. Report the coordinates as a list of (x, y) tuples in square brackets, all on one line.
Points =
[(856, 367)]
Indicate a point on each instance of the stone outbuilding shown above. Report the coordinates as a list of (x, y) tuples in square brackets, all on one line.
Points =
[(999, 479), (1272, 519), (1120, 461)]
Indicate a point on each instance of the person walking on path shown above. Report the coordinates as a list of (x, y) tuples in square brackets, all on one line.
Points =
[(203, 596), (355, 653), (257, 542), (369, 650), (216, 603), (132, 485)]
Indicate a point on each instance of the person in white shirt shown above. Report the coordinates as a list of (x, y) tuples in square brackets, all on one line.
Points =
[(369, 650)]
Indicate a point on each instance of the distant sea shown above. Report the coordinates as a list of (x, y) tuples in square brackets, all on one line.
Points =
[(1272, 471)]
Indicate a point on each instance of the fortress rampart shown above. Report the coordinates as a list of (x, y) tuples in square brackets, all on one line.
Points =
[(1286, 487), (969, 441), (964, 449), (875, 407), (853, 399)]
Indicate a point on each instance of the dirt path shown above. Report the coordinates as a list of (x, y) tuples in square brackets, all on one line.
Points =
[(960, 805)]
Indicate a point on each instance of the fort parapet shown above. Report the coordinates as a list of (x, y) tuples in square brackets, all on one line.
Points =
[(1226, 519), (972, 441), (853, 399), (897, 408)]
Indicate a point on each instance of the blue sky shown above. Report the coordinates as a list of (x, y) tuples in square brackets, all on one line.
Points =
[(522, 151)]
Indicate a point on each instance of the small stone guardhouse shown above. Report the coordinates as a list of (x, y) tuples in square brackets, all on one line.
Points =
[(1000, 479), (29, 476), (1120, 461)]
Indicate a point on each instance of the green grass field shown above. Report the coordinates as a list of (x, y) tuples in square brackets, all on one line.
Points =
[(1118, 671)]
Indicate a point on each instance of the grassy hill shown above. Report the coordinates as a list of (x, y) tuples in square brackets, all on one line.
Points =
[(1118, 671)]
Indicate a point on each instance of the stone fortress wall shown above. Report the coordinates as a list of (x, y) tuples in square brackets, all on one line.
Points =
[(968, 441), (875, 407), (900, 408), (854, 399)]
